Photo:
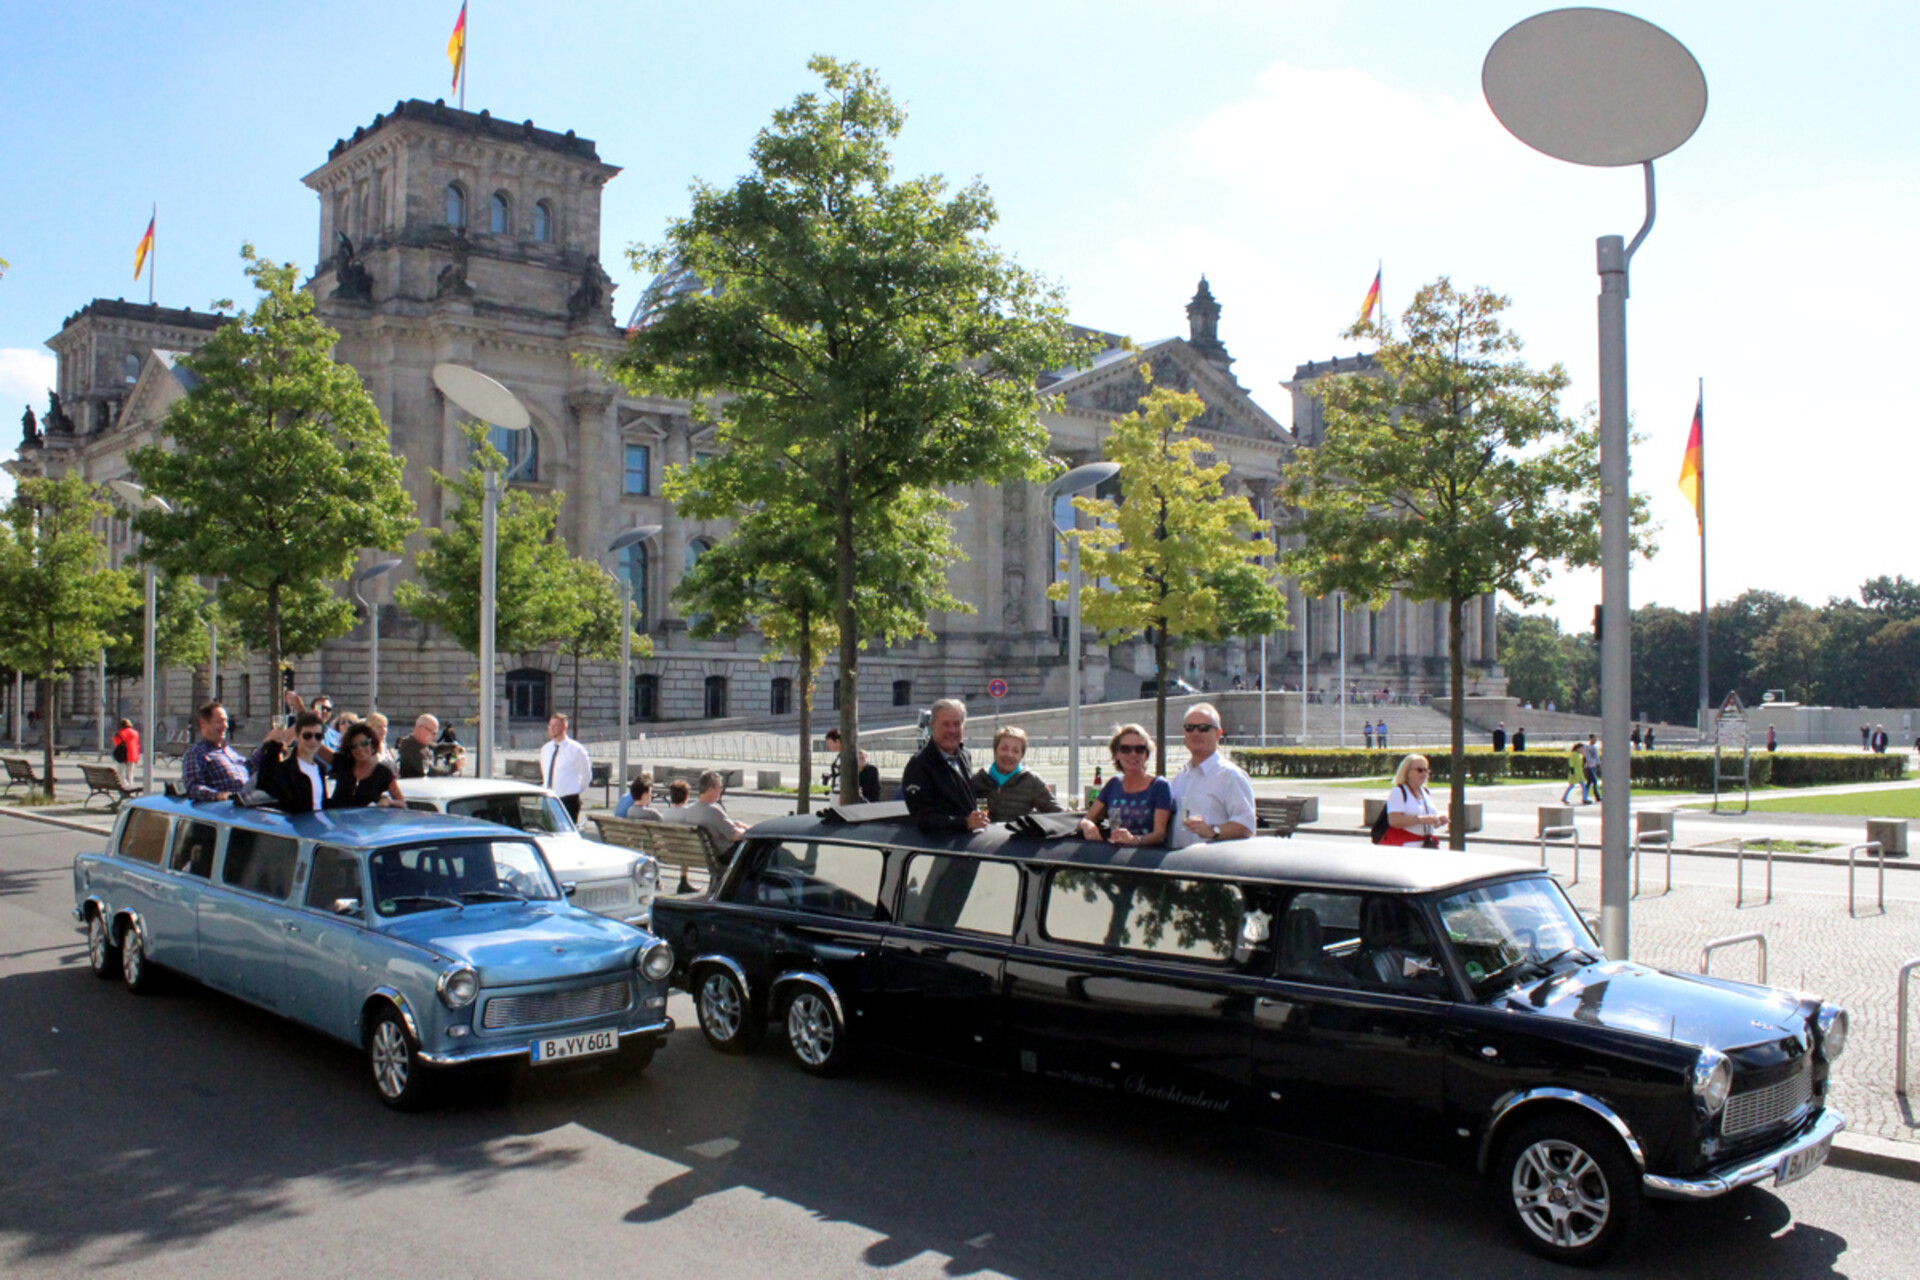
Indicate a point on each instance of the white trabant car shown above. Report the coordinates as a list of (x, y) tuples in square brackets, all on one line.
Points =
[(605, 879)]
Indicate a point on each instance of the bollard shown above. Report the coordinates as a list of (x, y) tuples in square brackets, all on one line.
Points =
[(1740, 873), (1853, 849), (1658, 839), (1758, 939), (1562, 833), (1900, 1021)]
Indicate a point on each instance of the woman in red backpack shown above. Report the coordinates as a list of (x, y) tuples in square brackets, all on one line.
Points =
[(126, 748), (1411, 817)]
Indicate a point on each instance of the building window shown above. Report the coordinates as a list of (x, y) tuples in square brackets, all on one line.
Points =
[(639, 472), (528, 692), (130, 367), (834, 700), (903, 693), (716, 707), (499, 215), (636, 568), (522, 450), (780, 702), (695, 549), (646, 697), (543, 222), (456, 205)]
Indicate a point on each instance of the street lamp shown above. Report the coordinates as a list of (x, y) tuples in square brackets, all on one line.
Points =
[(1089, 476), (1595, 87), (631, 538), (368, 574), (496, 406), (138, 498)]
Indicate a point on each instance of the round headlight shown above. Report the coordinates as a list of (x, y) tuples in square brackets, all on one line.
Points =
[(1833, 1031), (657, 961), (1712, 1078), (646, 874), (458, 987)]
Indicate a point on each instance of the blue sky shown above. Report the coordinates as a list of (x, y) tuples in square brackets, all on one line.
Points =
[(1282, 148)]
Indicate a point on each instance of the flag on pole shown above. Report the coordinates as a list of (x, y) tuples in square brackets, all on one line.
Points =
[(145, 247), (457, 45), (1373, 298), (1693, 465)]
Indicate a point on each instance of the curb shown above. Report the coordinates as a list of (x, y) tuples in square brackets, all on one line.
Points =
[(28, 815), (1870, 1153)]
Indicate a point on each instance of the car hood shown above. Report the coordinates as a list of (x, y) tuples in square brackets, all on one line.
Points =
[(1685, 1008), (516, 942), (575, 857)]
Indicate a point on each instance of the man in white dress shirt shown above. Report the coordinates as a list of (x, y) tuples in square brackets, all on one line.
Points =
[(564, 766), (1213, 799)]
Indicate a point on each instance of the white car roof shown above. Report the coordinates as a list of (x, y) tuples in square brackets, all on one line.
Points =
[(444, 789)]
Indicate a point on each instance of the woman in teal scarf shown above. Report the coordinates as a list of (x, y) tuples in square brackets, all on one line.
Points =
[(1008, 789)]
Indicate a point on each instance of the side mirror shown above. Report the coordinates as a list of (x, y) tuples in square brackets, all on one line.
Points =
[(346, 906), (1419, 967), (569, 887)]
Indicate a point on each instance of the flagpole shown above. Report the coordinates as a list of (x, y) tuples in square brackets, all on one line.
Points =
[(1700, 480), (466, 37), (153, 251)]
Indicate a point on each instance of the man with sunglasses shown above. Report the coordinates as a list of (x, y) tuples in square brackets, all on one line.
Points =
[(1212, 797), (295, 779)]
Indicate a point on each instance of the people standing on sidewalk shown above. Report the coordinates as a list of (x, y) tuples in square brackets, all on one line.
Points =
[(1590, 757), (1576, 774), (1212, 797), (1500, 737), (1649, 737), (1137, 804), (1380, 734), (126, 749), (867, 781), (1520, 740), (1411, 817), (1880, 739), (565, 766), (1773, 740), (1366, 730), (938, 782), (1005, 784), (210, 769), (1635, 737)]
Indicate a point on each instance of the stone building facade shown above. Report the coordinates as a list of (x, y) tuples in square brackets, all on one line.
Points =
[(450, 236)]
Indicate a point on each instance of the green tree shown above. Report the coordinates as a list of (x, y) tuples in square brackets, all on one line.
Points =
[(592, 627), (179, 631), (1666, 664), (1788, 655), (1534, 658), (1897, 598), (62, 599), (278, 468), (1173, 557), (867, 335), (1448, 475)]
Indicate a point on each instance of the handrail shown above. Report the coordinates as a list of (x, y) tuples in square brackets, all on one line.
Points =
[(1759, 939), (1900, 1050), (1740, 872), (1664, 839), (1881, 854), (1561, 833)]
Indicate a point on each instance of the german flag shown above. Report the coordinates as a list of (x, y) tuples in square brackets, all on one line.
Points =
[(457, 45), (1693, 467), (1373, 299), (144, 248)]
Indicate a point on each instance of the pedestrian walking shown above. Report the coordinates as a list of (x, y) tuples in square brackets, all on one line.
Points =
[(1649, 737), (1773, 740), (1635, 737), (565, 766), (126, 749), (1591, 760), (1576, 774)]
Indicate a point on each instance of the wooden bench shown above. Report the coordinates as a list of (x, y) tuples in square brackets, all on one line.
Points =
[(672, 844), (20, 773), (104, 780), (1283, 815)]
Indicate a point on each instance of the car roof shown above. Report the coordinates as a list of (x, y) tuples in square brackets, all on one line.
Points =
[(1300, 859), (371, 827), (463, 788)]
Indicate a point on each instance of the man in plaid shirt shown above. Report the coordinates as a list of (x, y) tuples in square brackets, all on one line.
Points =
[(210, 769)]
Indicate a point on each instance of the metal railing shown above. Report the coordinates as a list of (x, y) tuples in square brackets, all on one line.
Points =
[(1758, 939), (1740, 873), (1880, 854), (1562, 833), (1662, 840), (1900, 1022)]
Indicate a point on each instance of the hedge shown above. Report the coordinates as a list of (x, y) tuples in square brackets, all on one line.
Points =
[(1665, 770)]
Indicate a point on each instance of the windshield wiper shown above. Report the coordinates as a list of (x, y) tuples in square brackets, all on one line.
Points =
[(492, 895), (1534, 968), (429, 898)]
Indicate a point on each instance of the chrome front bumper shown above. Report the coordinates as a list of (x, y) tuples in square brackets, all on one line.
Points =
[(1758, 1169), (524, 1048)]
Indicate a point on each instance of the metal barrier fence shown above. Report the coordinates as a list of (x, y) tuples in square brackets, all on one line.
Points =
[(1662, 840), (1882, 856), (1758, 939), (1900, 1020), (1740, 874), (1561, 833)]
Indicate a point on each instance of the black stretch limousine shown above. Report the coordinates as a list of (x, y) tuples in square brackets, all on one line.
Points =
[(1443, 1005)]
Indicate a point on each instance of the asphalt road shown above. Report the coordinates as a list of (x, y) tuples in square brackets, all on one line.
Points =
[(189, 1135)]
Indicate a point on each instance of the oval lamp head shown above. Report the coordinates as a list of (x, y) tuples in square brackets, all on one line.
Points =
[(481, 396), (631, 536), (1082, 477)]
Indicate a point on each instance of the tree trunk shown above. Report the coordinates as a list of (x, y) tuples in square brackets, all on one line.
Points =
[(1457, 773), (576, 690), (806, 716), (843, 551), (42, 689), (1160, 646), (277, 700)]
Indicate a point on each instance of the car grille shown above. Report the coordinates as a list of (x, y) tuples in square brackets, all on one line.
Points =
[(556, 1006), (602, 894), (1758, 1108)]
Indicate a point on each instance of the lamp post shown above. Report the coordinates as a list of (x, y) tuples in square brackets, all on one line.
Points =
[(1075, 481), (631, 538), (1595, 87), (135, 496), (498, 407), (368, 574)]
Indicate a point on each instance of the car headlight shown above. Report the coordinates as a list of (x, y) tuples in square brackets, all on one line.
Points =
[(1833, 1031), (656, 962), (646, 875), (458, 986), (1712, 1078)]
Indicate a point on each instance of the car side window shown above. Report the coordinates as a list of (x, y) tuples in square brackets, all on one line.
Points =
[(260, 863), (969, 894), (144, 838), (193, 848), (1370, 942), (1136, 911), (336, 875), (819, 877)]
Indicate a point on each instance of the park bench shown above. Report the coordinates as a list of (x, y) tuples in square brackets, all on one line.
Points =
[(734, 778), (672, 844), (104, 780), (20, 773), (1283, 815), (529, 771)]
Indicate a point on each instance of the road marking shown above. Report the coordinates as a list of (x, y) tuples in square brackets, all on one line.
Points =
[(714, 1148), (37, 1075), (980, 1242)]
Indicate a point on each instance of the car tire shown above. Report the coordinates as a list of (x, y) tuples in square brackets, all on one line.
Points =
[(103, 954), (136, 970), (727, 1017), (399, 1077), (815, 1033), (1567, 1187)]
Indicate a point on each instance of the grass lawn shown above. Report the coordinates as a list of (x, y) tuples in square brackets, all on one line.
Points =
[(1903, 802)]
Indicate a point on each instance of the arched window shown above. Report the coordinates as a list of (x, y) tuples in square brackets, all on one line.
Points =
[(903, 693), (130, 367), (636, 570), (780, 701), (646, 697), (716, 697), (695, 549), (528, 694), (456, 205), (543, 222), (499, 215), (522, 450)]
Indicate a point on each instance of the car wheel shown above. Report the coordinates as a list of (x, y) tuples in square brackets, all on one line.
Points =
[(135, 969), (727, 1017), (815, 1034), (103, 957), (1566, 1186), (398, 1074)]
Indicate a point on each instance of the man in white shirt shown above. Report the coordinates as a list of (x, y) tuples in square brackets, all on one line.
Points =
[(564, 766), (1213, 799)]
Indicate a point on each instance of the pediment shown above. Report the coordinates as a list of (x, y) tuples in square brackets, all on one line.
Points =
[(640, 424), (159, 384), (1114, 387)]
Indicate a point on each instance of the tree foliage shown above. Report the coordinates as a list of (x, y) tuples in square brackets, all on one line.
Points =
[(592, 626), (868, 337), (179, 631), (278, 469)]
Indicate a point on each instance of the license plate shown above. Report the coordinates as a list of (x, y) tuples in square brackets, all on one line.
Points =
[(584, 1045), (1802, 1163)]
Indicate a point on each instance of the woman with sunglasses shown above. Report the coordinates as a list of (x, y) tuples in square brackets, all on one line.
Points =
[(1411, 817), (288, 768), (1138, 805), (360, 777)]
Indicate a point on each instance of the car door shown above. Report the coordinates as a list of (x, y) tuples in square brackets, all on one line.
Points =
[(941, 960), (245, 916), (1351, 1030), (319, 941), (819, 901), (172, 912)]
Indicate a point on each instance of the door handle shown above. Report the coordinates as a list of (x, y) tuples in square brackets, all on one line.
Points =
[(290, 926)]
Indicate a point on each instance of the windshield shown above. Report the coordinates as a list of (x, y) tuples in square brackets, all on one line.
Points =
[(523, 811), (458, 873), (1515, 931)]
